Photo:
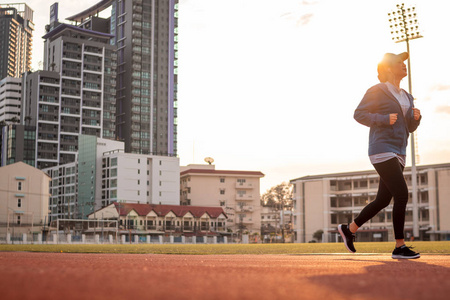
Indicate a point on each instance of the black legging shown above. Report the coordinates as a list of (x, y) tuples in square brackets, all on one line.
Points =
[(392, 183)]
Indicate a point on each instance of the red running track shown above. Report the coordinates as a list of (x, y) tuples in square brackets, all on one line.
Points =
[(68, 276)]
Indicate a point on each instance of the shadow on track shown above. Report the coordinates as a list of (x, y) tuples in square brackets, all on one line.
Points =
[(396, 279)]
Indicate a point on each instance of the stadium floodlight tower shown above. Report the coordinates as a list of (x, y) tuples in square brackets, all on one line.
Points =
[(405, 27)]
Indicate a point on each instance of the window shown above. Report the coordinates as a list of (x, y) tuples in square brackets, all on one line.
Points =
[(18, 220), (113, 161), (241, 181), (222, 203), (222, 191), (222, 180), (19, 202), (19, 186)]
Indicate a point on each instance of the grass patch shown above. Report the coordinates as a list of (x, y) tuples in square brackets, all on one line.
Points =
[(216, 249)]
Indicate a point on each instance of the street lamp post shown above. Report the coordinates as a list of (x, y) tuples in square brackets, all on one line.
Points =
[(405, 27)]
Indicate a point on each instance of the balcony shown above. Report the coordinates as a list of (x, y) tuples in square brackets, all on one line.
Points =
[(240, 197), (246, 221), (244, 208), (244, 185)]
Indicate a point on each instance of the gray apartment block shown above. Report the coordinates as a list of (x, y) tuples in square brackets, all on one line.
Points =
[(146, 35), (146, 38), (16, 34), (75, 95), (40, 108)]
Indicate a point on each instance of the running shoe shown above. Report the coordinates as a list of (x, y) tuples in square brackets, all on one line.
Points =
[(348, 237), (404, 252)]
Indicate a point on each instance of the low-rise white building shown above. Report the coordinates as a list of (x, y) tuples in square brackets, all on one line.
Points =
[(104, 174), (322, 202)]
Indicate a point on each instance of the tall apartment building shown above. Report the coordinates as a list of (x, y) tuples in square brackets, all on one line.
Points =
[(41, 109), (323, 202), (146, 36), (10, 98), (16, 34), (74, 95), (237, 192)]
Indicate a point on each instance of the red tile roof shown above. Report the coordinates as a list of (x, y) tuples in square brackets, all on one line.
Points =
[(162, 210)]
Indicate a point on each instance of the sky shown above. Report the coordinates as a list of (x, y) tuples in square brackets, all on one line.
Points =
[(271, 86)]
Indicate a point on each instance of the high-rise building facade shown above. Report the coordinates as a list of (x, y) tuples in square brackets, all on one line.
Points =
[(74, 95), (16, 33), (41, 109), (146, 39), (146, 35)]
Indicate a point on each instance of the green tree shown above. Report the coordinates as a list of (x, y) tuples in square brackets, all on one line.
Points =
[(279, 196)]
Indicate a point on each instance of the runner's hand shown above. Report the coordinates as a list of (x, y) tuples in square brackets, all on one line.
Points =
[(392, 119), (416, 112)]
